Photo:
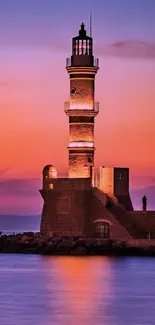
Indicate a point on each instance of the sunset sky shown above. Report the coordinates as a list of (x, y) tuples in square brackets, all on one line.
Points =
[(35, 39)]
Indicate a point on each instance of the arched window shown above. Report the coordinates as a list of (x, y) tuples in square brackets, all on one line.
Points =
[(102, 229)]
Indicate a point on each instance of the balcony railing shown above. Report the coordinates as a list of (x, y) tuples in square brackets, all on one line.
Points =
[(96, 107), (95, 62), (81, 144), (70, 106), (68, 62)]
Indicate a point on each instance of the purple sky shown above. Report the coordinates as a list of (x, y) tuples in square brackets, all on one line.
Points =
[(35, 39)]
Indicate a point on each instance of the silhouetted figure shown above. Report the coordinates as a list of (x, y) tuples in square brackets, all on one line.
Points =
[(148, 235), (144, 201)]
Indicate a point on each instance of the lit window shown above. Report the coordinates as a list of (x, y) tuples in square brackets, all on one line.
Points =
[(79, 144), (102, 229)]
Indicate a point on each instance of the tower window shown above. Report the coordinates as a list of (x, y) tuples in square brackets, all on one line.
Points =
[(77, 48), (73, 90), (102, 229), (80, 47), (90, 160), (84, 47)]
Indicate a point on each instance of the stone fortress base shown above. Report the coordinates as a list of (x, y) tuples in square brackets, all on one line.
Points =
[(73, 206), (80, 205)]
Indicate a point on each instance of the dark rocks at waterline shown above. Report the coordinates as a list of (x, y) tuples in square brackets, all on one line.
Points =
[(35, 243)]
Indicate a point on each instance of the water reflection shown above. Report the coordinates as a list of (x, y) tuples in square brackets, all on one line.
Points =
[(76, 291), (82, 287)]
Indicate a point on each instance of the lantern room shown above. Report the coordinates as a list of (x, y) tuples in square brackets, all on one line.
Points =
[(82, 44), (82, 50)]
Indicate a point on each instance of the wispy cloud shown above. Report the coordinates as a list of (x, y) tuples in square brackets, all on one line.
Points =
[(20, 196), (4, 84), (4, 170), (19, 187), (129, 48), (134, 49), (140, 182)]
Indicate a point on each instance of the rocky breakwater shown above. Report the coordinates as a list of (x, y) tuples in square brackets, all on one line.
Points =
[(35, 243)]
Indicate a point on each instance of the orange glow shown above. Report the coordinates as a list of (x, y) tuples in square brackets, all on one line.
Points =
[(34, 128), (83, 285), (78, 144), (72, 106)]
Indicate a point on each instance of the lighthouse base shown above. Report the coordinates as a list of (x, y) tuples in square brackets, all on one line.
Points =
[(72, 207)]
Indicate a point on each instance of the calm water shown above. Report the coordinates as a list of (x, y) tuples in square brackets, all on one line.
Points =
[(36, 290), (19, 224)]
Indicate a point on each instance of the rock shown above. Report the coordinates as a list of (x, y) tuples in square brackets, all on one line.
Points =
[(37, 243), (29, 234), (48, 249), (64, 247), (80, 250)]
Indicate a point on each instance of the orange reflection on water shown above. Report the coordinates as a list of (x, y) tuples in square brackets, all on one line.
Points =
[(82, 288)]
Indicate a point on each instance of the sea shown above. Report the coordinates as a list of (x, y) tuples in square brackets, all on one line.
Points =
[(10, 224), (63, 290)]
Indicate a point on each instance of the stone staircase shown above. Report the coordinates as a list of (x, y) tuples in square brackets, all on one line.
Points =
[(122, 232), (125, 201), (120, 214), (125, 220)]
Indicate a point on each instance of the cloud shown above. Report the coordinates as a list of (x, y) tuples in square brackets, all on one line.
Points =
[(140, 182), (4, 170), (134, 49), (4, 84), (129, 48), (19, 187), (20, 197)]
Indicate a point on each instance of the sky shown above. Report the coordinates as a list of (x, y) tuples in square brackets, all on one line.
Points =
[(35, 40)]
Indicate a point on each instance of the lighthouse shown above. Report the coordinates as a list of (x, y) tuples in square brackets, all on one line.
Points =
[(76, 205), (81, 108)]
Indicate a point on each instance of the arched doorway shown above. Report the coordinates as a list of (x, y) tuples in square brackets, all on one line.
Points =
[(102, 229)]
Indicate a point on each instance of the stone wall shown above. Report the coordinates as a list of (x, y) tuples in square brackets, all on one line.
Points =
[(63, 212), (66, 183), (146, 221), (73, 207), (121, 181), (96, 211), (114, 180), (78, 163), (83, 94), (81, 132), (75, 211)]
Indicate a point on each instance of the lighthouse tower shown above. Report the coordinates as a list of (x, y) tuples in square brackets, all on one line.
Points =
[(81, 107), (73, 206)]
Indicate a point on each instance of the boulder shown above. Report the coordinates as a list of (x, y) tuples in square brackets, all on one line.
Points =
[(79, 250)]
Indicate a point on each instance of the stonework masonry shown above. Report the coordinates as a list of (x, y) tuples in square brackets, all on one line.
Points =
[(77, 160), (83, 95), (73, 207), (81, 69), (76, 205), (81, 132)]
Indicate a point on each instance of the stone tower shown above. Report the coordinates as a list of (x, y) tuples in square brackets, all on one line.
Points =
[(81, 107)]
